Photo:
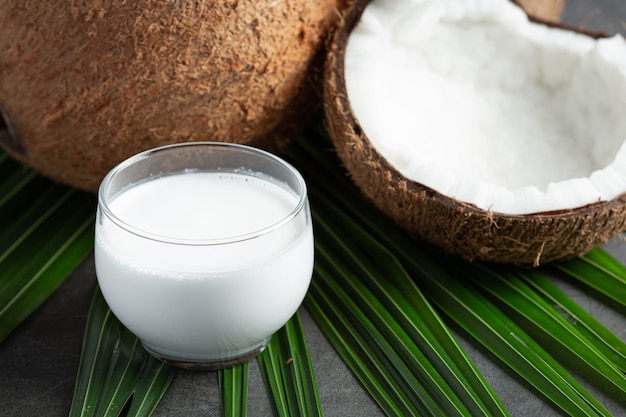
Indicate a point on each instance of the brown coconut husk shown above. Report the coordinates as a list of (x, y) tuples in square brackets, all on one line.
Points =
[(455, 226), (548, 10), (86, 84)]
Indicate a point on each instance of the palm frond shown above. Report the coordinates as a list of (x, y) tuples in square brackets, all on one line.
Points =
[(233, 383), (600, 271), (47, 230), (288, 373), (116, 375), (594, 331), (510, 290)]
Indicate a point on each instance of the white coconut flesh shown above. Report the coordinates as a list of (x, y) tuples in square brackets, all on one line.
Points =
[(473, 100)]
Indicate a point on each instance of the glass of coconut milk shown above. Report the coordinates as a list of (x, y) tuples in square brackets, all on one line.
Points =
[(204, 250)]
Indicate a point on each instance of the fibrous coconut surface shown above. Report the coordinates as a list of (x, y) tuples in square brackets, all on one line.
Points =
[(86, 84)]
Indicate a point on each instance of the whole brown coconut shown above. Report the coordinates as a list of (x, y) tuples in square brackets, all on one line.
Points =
[(455, 226), (85, 84)]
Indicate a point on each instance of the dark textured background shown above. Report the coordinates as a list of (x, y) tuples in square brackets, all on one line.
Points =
[(38, 362)]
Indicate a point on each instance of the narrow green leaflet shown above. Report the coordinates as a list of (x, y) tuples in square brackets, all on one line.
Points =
[(410, 310), (498, 333), (234, 390), (14, 177), (595, 332), (369, 355), (116, 376), (599, 271), (31, 217), (49, 233), (514, 292), (406, 325), (288, 373), (336, 328)]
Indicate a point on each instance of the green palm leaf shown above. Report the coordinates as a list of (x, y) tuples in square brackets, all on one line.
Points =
[(288, 373), (364, 349), (233, 384), (116, 376), (14, 177), (515, 293), (595, 332), (600, 271), (49, 233), (419, 337)]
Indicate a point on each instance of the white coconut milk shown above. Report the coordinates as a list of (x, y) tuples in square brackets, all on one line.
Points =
[(183, 283)]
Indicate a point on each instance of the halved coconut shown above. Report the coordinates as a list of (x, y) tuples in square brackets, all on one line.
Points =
[(489, 134), (85, 84)]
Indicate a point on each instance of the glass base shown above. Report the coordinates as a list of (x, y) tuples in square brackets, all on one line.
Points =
[(212, 364)]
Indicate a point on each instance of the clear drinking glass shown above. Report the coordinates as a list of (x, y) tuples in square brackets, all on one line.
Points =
[(204, 250)]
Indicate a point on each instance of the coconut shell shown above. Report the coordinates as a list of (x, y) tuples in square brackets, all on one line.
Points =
[(548, 10), (86, 84), (455, 226)]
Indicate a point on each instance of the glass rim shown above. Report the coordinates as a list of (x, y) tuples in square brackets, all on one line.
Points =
[(106, 210)]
